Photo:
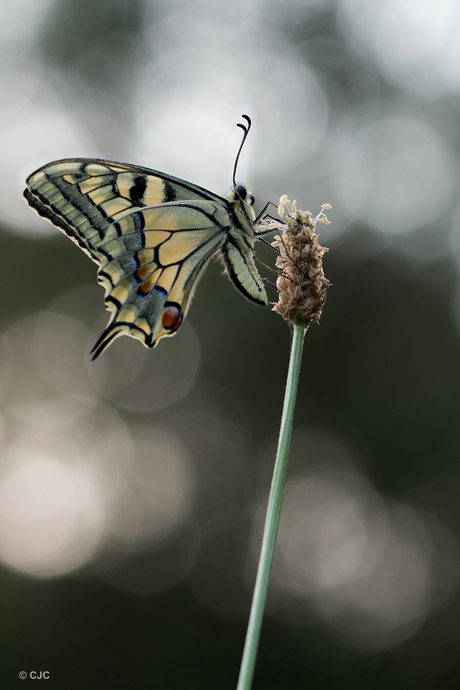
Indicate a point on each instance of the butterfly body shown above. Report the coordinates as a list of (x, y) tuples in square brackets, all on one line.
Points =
[(151, 235)]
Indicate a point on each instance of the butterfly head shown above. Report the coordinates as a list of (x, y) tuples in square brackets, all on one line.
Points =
[(244, 194), (241, 201)]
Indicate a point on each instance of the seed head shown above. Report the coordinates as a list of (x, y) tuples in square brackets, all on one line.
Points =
[(301, 284)]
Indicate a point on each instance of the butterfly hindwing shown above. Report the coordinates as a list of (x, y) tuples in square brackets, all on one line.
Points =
[(152, 260), (151, 235)]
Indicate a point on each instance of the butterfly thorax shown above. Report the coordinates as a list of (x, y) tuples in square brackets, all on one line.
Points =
[(240, 202)]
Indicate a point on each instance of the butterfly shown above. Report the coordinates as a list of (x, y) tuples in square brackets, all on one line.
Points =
[(151, 235)]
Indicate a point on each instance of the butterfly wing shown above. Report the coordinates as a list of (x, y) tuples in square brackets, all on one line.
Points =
[(151, 235), (83, 197), (150, 263)]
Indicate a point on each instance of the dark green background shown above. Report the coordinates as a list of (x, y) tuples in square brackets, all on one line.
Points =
[(380, 377)]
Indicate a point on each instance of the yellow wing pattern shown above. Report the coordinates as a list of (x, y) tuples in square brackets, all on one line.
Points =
[(151, 235)]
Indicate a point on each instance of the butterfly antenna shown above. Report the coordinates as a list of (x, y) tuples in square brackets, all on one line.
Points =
[(245, 129)]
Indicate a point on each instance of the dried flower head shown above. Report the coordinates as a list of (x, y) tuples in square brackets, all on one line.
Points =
[(302, 284)]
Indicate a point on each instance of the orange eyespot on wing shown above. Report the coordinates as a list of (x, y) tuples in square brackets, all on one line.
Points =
[(172, 318)]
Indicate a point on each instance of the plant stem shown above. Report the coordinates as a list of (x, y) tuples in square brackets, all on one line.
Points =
[(272, 517)]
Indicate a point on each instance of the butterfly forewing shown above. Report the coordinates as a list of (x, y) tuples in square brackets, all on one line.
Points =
[(151, 235), (83, 197)]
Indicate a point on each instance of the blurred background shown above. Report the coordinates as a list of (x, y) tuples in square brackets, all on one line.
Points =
[(133, 489)]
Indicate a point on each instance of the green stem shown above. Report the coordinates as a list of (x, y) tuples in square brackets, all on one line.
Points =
[(272, 517)]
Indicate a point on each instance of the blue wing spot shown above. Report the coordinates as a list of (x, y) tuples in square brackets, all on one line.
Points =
[(139, 221)]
